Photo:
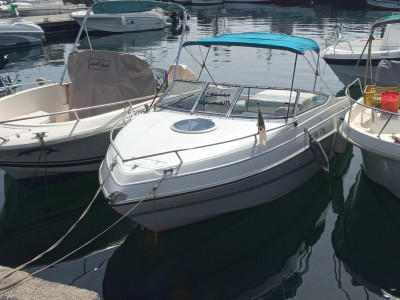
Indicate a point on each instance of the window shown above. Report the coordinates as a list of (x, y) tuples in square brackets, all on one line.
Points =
[(217, 99), (271, 102), (181, 95)]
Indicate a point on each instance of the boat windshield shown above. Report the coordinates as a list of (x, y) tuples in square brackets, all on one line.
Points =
[(238, 101), (199, 97)]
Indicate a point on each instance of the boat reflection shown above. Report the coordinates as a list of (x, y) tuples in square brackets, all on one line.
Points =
[(260, 252), (24, 57), (124, 42), (33, 219), (367, 237)]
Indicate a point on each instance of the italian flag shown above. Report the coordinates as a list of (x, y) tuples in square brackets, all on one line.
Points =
[(262, 135)]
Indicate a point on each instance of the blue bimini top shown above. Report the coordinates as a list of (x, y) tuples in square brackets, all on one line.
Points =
[(290, 43)]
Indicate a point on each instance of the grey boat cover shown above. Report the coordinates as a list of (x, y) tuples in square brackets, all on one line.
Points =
[(387, 73), (101, 77)]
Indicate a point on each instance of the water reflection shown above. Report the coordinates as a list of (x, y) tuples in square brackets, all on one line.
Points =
[(124, 42), (33, 219), (25, 57), (260, 252), (367, 237)]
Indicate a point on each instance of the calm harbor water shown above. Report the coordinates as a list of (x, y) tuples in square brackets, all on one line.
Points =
[(336, 237)]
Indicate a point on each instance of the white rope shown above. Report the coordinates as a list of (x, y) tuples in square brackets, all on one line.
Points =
[(28, 277), (64, 236)]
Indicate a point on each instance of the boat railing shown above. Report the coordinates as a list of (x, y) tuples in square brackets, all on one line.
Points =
[(390, 115), (130, 103), (20, 85), (339, 42)]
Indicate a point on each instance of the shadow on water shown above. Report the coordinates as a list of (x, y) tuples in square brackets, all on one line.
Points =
[(33, 219), (261, 251), (367, 237)]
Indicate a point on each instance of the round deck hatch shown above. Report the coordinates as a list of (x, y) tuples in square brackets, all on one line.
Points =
[(193, 126)]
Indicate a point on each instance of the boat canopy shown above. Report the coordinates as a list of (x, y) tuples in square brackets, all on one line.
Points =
[(384, 22), (298, 45), (114, 7)]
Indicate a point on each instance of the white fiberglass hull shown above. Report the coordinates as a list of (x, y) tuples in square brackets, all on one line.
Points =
[(41, 9), (384, 4), (18, 32), (169, 212), (48, 145), (377, 141), (347, 63), (383, 170), (348, 73), (216, 180), (76, 154), (122, 22)]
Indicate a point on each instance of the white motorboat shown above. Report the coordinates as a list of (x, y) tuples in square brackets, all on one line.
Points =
[(197, 152), (373, 124), (63, 127), (384, 4), (17, 32), (348, 59), (129, 16), (27, 8)]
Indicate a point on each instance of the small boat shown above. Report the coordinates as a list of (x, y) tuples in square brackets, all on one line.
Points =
[(129, 16), (17, 32), (26, 8), (348, 59), (373, 124), (384, 4), (205, 147), (60, 128)]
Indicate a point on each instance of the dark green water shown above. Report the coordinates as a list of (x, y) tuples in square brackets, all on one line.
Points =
[(336, 237)]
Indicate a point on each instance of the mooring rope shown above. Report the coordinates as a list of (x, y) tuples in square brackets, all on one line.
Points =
[(65, 235), (28, 277), (42, 150)]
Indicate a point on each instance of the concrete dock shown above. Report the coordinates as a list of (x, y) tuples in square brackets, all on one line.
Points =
[(55, 24), (35, 288)]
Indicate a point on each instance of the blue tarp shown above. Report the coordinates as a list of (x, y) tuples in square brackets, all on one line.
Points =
[(290, 43)]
